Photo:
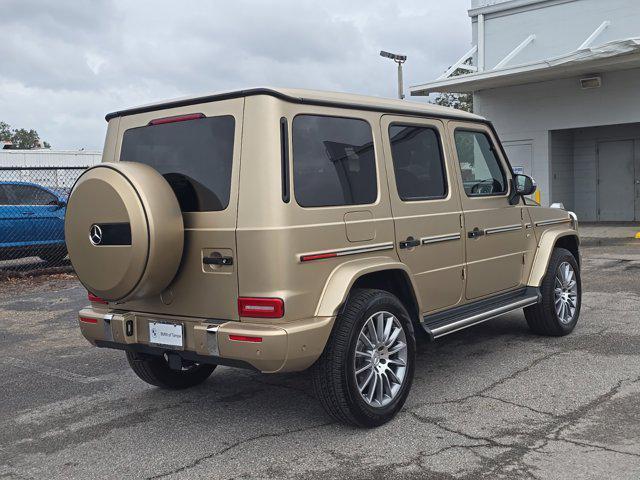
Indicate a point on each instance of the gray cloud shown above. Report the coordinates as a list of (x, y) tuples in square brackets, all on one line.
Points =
[(66, 63)]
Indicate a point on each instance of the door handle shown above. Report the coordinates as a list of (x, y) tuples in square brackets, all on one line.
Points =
[(28, 213), (476, 233), (217, 260), (410, 242)]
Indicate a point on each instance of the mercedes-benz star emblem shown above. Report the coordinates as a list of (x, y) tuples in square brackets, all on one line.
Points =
[(95, 235)]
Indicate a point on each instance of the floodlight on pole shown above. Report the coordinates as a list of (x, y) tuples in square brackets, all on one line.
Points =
[(399, 59)]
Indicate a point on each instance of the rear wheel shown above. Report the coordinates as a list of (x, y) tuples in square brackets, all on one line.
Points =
[(155, 371), (364, 375), (561, 291)]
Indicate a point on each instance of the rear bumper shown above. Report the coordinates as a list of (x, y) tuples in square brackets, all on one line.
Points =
[(285, 347)]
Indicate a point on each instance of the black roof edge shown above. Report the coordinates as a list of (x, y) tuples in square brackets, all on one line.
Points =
[(287, 98)]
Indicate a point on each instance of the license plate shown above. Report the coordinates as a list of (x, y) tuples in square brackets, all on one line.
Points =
[(166, 334)]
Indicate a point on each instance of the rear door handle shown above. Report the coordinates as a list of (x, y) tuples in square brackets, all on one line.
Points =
[(475, 233), (217, 260), (410, 242), (28, 213)]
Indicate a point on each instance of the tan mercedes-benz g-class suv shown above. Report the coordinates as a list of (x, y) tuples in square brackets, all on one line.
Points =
[(283, 230)]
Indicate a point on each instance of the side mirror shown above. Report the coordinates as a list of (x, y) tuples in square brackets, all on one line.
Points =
[(524, 185)]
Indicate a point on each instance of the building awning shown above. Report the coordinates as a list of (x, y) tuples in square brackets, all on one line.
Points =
[(615, 55)]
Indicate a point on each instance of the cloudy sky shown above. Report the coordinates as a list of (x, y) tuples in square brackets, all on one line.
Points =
[(66, 63)]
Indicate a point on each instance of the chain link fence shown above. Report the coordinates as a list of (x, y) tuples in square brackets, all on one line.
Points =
[(33, 203)]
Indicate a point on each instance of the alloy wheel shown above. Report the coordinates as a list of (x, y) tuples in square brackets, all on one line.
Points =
[(565, 293), (380, 359)]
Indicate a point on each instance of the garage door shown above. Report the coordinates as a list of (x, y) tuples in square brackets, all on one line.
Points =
[(616, 181)]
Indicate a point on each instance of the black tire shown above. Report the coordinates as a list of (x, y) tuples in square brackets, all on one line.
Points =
[(54, 257), (333, 374), (155, 371), (543, 318)]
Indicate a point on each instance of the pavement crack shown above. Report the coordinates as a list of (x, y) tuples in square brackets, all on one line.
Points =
[(489, 442), (599, 447), (519, 405), (237, 444)]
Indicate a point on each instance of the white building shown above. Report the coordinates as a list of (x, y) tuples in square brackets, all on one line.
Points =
[(560, 79), (53, 168)]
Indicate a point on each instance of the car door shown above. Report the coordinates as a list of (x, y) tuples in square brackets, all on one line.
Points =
[(495, 240), (39, 215), (8, 221), (426, 208)]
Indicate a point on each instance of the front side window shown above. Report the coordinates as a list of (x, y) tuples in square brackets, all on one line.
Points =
[(30, 195), (482, 174), (417, 162), (195, 156), (333, 161)]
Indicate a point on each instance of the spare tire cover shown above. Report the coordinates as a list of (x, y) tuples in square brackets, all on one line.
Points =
[(124, 231)]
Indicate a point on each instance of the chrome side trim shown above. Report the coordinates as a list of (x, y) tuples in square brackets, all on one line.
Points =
[(440, 238), (212, 339), (482, 317), (552, 222), (341, 252), (506, 228)]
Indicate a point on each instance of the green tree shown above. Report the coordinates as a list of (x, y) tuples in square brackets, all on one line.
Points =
[(21, 138), (5, 132), (461, 101)]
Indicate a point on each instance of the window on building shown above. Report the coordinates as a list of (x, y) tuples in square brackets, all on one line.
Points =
[(333, 161), (482, 174), (417, 162)]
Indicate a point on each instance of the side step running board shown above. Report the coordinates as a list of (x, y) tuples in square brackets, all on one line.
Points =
[(458, 318)]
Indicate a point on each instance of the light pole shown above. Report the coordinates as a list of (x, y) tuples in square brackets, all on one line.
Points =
[(399, 59)]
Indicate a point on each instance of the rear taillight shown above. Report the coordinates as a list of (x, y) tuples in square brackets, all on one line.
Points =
[(260, 307), (178, 118), (95, 299), (245, 338), (88, 320)]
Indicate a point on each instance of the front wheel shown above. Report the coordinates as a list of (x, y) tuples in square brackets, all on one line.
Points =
[(364, 375), (558, 312)]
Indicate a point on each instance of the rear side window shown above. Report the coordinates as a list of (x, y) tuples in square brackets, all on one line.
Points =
[(482, 174), (333, 161), (195, 156), (417, 162)]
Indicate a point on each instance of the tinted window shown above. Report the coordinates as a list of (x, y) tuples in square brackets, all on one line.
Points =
[(29, 195), (195, 156), (4, 198), (479, 164), (417, 162), (333, 161)]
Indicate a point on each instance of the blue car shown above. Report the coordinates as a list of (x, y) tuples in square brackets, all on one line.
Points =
[(32, 221)]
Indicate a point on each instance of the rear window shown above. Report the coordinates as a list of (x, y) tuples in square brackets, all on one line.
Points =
[(333, 161), (195, 157)]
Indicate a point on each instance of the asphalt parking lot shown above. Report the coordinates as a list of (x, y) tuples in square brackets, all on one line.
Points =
[(494, 401)]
